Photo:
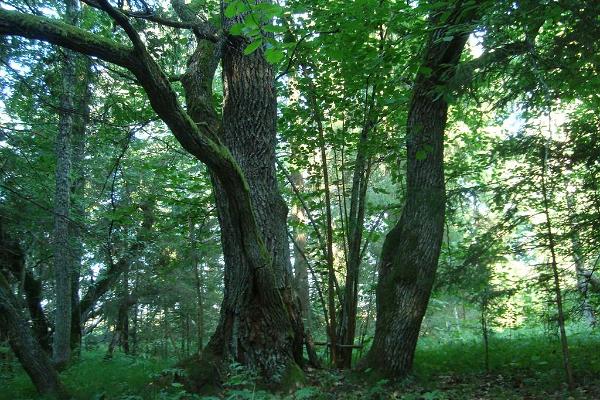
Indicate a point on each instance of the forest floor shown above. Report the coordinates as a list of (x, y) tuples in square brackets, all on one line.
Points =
[(521, 367)]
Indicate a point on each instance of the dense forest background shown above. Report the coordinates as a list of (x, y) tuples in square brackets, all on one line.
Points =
[(303, 199)]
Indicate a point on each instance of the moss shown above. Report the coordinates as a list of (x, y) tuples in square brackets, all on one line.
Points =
[(202, 374), (292, 379)]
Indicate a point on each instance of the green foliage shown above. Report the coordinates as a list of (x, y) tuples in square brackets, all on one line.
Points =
[(350, 65)]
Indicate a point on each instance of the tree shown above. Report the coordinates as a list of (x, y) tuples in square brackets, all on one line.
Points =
[(69, 151), (411, 249), (259, 326)]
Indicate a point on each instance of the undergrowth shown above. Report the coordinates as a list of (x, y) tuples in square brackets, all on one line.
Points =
[(522, 365)]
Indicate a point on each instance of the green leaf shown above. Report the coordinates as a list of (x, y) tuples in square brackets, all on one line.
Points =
[(251, 48), (274, 55), (274, 28), (269, 10), (236, 29), (235, 8)]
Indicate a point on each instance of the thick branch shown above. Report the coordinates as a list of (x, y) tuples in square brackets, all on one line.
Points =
[(52, 31)]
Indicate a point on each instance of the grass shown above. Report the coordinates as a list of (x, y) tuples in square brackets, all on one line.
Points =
[(523, 365), (94, 378)]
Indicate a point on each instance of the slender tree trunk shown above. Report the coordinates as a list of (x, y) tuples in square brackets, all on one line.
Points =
[(124, 313), (485, 334), (198, 275), (134, 331), (80, 122), (300, 263), (63, 252), (331, 278), (410, 252), (554, 266), (32, 357), (301, 267), (69, 148), (355, 223)]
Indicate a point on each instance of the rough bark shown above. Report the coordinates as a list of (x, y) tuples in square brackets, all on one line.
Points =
[(411, 249), (259, 321), (32, 357), (80, 121), (62, 246), (256, 326)]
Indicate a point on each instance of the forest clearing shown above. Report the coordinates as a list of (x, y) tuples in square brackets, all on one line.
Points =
[(299, 199)]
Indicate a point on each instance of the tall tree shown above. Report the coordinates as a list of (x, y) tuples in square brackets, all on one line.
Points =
[(64, 261), (411, 249)]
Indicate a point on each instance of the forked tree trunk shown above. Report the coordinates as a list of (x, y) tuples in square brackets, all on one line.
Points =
[(255, 328), (260, 325), (411, 249)]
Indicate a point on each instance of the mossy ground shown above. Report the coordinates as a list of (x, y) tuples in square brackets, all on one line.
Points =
[(522, 366)]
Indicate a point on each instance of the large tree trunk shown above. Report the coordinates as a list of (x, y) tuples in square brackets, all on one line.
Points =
[(411, 249), (32, 357), (260, 325), (255, 328)]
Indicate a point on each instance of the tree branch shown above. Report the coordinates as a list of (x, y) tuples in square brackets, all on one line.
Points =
[(49, 30)]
